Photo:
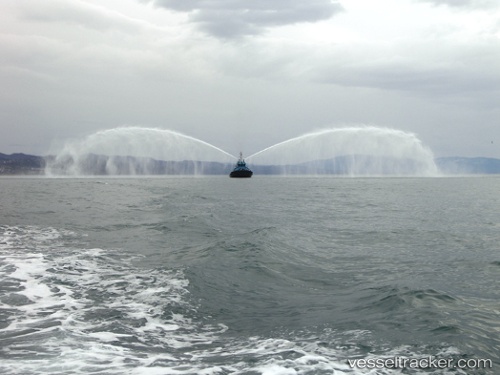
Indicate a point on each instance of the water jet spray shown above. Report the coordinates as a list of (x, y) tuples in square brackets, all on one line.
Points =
[(353, 151)]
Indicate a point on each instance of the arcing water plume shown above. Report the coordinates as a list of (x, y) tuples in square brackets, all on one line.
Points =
[(136, 150), (360, 150), (355, 151)]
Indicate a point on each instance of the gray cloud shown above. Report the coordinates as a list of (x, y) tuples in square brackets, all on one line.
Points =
[(417, 79), (234, 18), (87, 16), (464, 3), (428, 69), (68, 69)]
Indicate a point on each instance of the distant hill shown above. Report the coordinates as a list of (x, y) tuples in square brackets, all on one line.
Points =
[(92, 164), (346, 165), (460, 165), (23, 164), (98, 165)]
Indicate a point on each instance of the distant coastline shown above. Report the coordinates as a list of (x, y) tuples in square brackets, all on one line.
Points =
[(32, 165), (22, 164), (461, 165)]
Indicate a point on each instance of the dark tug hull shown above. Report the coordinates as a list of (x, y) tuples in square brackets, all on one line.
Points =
[(241, 174), (241, 170)]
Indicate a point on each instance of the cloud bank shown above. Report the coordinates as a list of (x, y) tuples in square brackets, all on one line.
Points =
[(243, 77), (235, 18)]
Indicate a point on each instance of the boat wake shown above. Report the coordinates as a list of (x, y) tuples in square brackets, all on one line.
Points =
[(87, 311)]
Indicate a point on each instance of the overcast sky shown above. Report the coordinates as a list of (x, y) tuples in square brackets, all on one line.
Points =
[(245, 74)]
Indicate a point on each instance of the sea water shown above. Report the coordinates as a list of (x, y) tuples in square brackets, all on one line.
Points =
[(269, 275)]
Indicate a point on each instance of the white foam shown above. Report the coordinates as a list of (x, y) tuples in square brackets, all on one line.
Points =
[(90, 313)]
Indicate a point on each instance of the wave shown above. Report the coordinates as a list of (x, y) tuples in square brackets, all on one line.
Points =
[(68, 309)]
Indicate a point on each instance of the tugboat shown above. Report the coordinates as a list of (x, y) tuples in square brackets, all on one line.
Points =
[(241, 170)]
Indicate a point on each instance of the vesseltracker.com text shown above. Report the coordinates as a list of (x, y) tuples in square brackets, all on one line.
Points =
[(420, 363)]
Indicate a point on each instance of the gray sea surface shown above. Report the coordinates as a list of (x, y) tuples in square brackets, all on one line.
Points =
[(268, 275)]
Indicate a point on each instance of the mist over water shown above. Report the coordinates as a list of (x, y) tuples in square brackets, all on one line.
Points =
[(353, 151), (361, 150), (133, 150)]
